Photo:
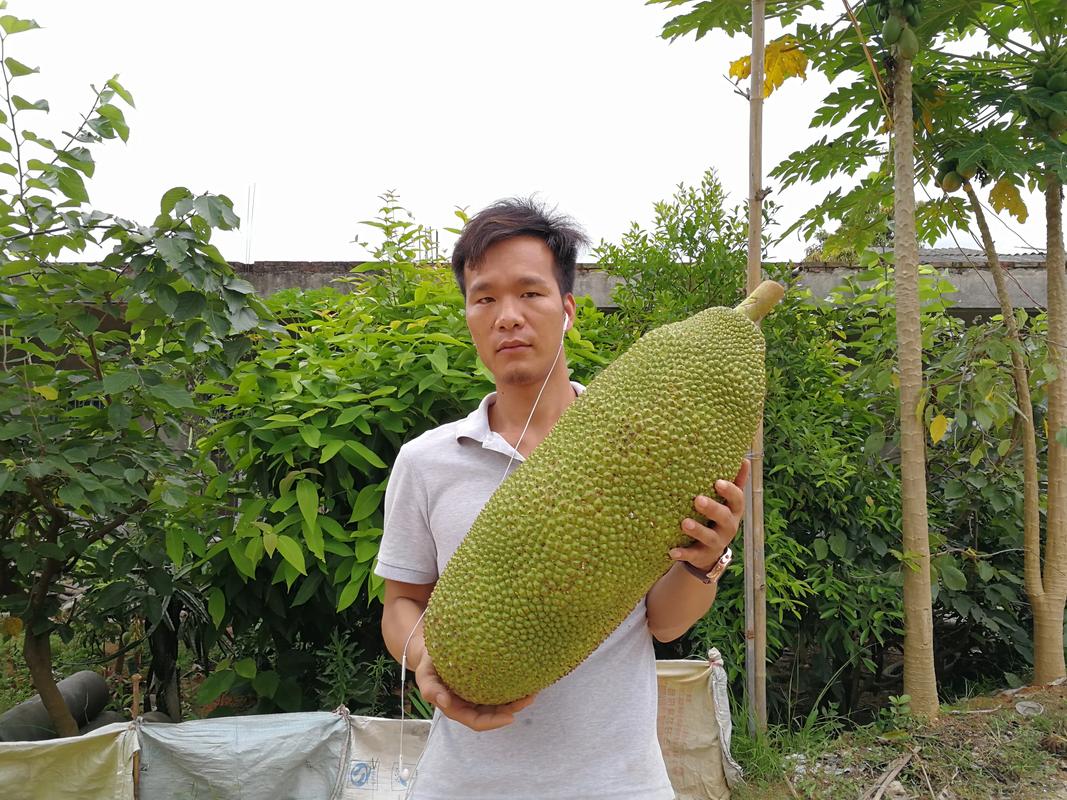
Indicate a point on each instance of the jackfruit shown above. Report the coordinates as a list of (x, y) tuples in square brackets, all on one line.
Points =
[(570, 542)]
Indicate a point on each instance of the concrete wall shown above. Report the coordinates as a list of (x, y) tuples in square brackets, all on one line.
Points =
[(966, 270)]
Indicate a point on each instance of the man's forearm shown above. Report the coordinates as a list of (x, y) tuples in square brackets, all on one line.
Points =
[(676, 601), (397, 623)]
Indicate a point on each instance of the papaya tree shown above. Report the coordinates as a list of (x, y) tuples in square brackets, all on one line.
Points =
[(882, 103), (103, 325)]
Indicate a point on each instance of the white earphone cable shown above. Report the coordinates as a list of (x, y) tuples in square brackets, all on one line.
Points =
[(404, 772)]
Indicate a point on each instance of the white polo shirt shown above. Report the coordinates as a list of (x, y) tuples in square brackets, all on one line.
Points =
[(590, 735)]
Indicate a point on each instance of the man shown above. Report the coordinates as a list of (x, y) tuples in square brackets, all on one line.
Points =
[(593, 733)]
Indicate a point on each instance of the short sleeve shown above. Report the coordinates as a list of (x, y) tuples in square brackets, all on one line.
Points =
[(408, 552)]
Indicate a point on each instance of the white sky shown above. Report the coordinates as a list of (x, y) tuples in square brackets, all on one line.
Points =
[(324, 105)]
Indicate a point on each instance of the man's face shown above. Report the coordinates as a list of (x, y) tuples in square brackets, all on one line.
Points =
[(515, 310)]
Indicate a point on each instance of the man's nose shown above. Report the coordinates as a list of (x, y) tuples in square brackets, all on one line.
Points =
[(508, 316)]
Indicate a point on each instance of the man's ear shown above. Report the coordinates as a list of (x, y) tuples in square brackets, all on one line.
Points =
[(570, 308)]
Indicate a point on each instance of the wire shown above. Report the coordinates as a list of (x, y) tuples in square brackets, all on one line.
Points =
[(404, 772)]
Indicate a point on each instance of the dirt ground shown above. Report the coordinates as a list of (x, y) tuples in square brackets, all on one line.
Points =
[(1011, 745)]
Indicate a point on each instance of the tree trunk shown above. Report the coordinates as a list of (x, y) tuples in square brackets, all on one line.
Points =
[(919, 680), (1048, 613), (37, 650), (1021, 377)]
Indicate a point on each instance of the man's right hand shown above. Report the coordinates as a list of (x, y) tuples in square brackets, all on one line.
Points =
[(477, 718)]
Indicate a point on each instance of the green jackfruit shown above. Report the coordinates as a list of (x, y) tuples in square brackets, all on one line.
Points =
[(570, 542)]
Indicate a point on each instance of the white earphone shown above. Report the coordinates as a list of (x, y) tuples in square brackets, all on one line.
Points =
[(566, 319)]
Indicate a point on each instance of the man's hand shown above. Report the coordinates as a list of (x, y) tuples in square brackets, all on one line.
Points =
[(477, 718), (723, 521)]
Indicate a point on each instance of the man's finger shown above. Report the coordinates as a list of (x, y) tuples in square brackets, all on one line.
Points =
[(732, 494), (701, 533)]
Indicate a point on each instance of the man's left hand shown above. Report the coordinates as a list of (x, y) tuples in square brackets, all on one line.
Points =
[(711, 539)]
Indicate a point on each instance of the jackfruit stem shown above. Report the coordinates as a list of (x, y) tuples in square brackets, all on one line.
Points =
[(759, 304)]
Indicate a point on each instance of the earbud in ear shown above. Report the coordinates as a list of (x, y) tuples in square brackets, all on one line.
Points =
[(566, 319)]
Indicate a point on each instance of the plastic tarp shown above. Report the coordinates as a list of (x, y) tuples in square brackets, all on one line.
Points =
[(96, 766), (332, 755), (280, 756), (373, 770)]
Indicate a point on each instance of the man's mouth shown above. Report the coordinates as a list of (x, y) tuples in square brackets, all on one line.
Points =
[(508, 347)]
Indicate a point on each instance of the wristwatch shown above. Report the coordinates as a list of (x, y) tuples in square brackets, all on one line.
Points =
[(715, 572)]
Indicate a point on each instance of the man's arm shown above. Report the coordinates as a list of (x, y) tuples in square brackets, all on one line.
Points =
[(678, 599), (401, 618)]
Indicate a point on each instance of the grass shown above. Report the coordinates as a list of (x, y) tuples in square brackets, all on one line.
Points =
[(982, 749)]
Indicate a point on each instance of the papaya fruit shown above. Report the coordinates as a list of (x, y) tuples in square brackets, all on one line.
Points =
[(952, 182), (915, 18), (908, 45), (967, 171), (892, 30), (1057, 123), (1040, 77), (1057, 82)]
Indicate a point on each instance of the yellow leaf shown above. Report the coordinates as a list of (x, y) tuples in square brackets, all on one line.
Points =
[(1005, 197), (938, 426), (11, 626), (782, 59), (47, 392)]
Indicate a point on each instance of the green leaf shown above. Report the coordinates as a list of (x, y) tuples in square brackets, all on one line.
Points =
[(838, 544), (292, 553), (311, 435), (22, 104), (171, 198), (175, 546), (952, 577), (439, 359), (173, 250), (18, 69), (72, 185), (175, 396), (216, 605), (119, 416), (121, 91), (265, 683), (307, 496), (13, 25), (71, 494), (190, 304), (246, 668), (366, 503), (217, 684), (985, 571), (366, 453), (330, 449), (820, 548), (366, 549), (348, 595), (117, 382)]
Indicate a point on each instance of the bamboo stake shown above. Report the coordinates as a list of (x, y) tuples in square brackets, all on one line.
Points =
[(755, 570)]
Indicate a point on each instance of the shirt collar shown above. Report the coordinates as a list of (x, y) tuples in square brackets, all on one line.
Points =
[(476, 424)]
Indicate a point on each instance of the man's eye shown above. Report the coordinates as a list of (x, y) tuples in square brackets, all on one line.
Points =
[(484, 300)]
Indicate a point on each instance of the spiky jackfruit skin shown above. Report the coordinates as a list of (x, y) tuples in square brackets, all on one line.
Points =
[(568, 544)]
